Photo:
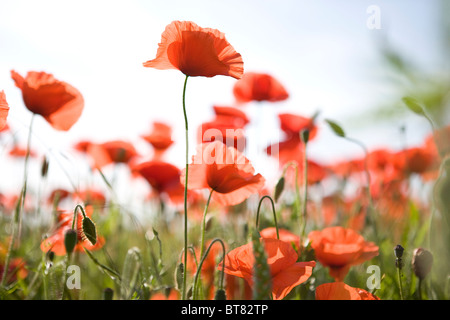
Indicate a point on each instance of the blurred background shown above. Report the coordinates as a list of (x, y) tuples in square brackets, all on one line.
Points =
[(323, 52)]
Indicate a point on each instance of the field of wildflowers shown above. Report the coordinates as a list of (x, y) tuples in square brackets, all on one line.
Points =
[(371, 227)]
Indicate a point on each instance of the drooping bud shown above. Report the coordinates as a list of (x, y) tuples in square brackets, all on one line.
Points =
[(422, 262), (89, 230), (179, 271), (70, 240)]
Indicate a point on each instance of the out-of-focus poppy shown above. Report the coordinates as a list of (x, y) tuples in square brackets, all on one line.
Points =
[(116, 151), (4, 109), (224, 170), (16, 269), (55, 242), (285, 271), (172, 295), (293, 125), (21, 152), (163, 177), (413, 160), (285, 235), (160, 138), (224, 130), (196, 51), (57, 101), (342, 291), (391, 199), (339, 248), (259, 87), (234, 115)]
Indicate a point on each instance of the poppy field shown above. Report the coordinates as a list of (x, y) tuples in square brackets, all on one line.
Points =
[(370, 225)]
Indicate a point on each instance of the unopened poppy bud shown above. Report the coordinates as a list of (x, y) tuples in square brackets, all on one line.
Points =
[(167, 291), (179, 276), (398, 250), (304, 134), (51, 255), (220, 295), (44, 167), (70, 240), (279, 188), (89, 230), (422, 262)]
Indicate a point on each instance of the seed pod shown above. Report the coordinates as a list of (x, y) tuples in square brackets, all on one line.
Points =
[(108, 294), (398, 250), (70, 240), (44, 167), (422, 262), (220, 295)]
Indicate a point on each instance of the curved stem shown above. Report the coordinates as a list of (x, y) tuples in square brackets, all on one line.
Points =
[(273, 211), (399, 275), (185, 191), (196, 277), (16, 222)]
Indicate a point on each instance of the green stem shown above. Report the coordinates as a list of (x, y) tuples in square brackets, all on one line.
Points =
[(16, 222), (273, 211), (196, 277), (185, 192), (399, 275), (420, 289), (203, 231), (305, 191)]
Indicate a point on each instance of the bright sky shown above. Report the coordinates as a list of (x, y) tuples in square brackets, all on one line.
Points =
[(321, 50)]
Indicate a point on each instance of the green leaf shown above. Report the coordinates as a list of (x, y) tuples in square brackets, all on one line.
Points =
[(337, 129)]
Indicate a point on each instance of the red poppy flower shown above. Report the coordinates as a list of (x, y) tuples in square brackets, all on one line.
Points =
[(173, 295), (259, 87), (285, 271), (226, 171), (285, 235), (4, 109), (57, 101), (163, 177), (55, 242), (413, 160), (196, 51), (116, 151), (339, 249), (160, 137), (236, 116), (342, 291), (293, 125)]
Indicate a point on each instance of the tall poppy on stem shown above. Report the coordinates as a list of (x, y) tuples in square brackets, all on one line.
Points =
[(195, 51), (342, 291)]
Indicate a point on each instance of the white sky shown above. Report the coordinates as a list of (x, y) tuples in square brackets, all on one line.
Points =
[(320, 50)]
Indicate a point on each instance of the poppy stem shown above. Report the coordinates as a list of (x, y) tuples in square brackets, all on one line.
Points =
[(273, 211), (202, 243), (199, 268), (305, 137), (16, 222), (185, 191)]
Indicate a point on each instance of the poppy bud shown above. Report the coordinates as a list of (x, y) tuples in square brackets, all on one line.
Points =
[(89, 230), (220, 295), (422, 262), (398, 250), (44, 167), (304, 134), (51, 256), (279, 188), (70, 240), (179, 271), (108, 294)]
